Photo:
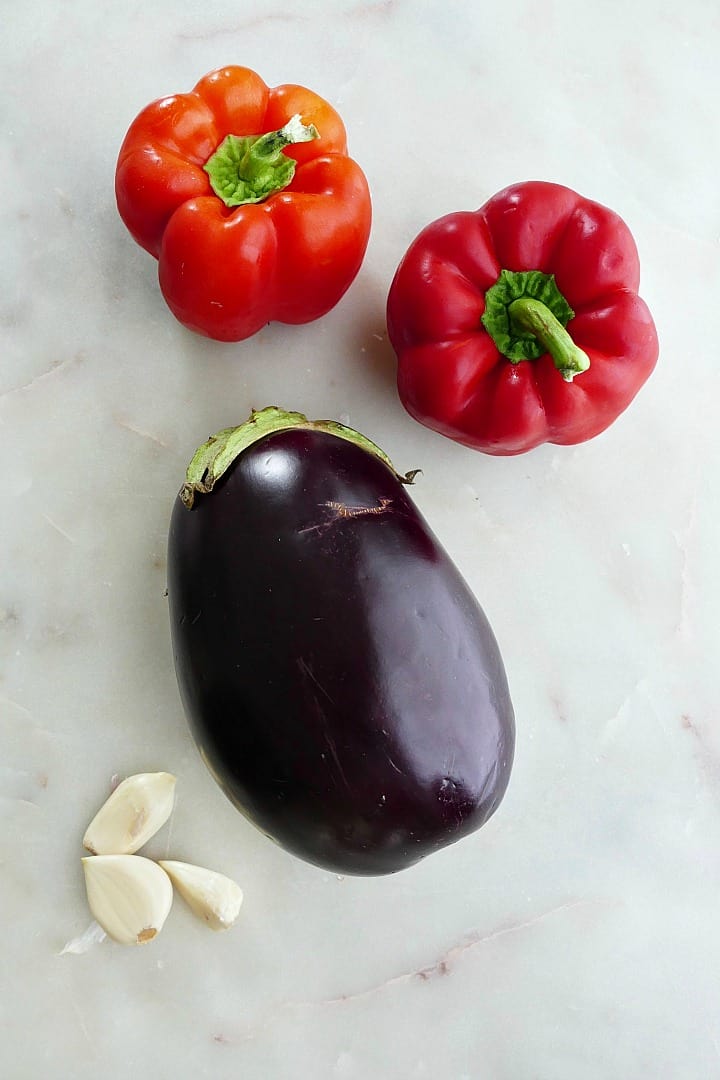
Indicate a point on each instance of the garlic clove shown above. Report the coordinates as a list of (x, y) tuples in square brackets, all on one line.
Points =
[(137, 808), (211, 896), (129, 896)]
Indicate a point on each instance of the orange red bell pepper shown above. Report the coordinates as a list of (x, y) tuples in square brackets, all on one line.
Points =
[(247, 197)]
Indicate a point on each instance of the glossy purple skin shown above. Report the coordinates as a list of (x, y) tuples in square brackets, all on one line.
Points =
[(340, 679)]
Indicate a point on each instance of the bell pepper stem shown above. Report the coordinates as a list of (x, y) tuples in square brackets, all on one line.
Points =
[(249, 168), (526, 316), (530, 315)]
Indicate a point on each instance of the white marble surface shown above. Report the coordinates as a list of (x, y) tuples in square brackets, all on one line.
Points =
[(576, 937)]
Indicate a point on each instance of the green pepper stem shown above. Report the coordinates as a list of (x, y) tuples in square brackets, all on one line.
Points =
[(528, 314), (249, 168)]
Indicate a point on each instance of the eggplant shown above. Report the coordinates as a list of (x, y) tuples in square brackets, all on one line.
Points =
[(342, 683)]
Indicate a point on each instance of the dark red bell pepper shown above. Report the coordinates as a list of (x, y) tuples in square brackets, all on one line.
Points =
[(520, 323), (247, 197)]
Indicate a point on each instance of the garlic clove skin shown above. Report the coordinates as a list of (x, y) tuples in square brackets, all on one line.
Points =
[(137, 808), (94, 935), (211, 896), (129, 896)]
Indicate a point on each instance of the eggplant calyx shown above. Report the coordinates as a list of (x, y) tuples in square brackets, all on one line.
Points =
[(214, 457)]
